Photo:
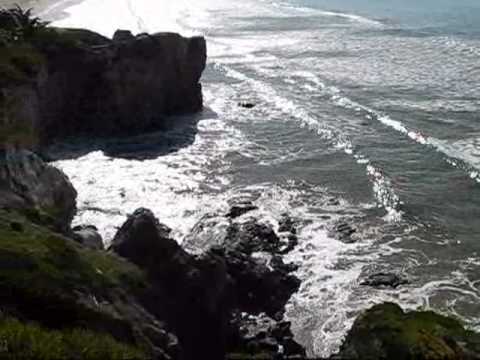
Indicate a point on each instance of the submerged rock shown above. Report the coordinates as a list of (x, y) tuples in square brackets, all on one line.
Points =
[(191, 294), (383, 279), (39, 190), (387, 332), (246, 105), (241, 209)]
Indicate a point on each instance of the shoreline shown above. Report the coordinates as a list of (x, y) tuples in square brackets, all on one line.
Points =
[(48, 10)]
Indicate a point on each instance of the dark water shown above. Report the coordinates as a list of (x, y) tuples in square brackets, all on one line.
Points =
[(366, 112)]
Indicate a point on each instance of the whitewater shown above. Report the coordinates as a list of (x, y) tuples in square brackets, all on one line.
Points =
[(359, 118)]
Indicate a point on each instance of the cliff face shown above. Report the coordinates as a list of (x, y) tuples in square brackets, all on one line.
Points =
[(77, 82)]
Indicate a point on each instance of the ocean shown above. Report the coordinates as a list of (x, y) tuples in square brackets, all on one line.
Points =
[(367, 112)]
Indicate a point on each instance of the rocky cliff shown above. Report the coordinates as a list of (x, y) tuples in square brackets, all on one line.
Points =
[(65, 82), (38, 190), (63, 296)]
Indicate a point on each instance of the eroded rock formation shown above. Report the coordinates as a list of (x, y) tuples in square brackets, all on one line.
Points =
[(69, 82)]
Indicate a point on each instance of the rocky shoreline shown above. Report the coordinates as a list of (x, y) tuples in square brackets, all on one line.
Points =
[(63, 295)]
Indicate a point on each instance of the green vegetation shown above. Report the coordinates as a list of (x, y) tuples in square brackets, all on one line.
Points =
[(35, 255), (26, 45), (12, 130), (20, 33), (385, 332), (20, 62), (30, 341), (57, 283)]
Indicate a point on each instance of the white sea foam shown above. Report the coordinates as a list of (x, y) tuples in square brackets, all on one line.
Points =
[(467, 150), (312, 11), (382, 187)]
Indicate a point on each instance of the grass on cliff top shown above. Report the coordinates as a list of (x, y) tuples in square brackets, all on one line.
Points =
[(43, 275), (30, 341), (18, 58), (34, 256), (25, 39)]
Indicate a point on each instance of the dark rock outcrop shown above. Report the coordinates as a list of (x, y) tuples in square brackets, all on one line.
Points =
[(257, 288), (387, 332), (246, 105), (39, 190), (344, 231), (88, 236), (197, 295), (241, 209), (261, 335), (252, 236), (75, 82), (191, 294)]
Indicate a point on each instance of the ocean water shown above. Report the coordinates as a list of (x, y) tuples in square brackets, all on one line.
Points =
[(367, 112)]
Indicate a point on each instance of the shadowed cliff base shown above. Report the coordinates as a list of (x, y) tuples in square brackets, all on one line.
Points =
[(177, 132)]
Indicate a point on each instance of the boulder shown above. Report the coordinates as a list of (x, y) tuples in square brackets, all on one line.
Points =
[(88, 236), (385, 331), (41, 191), (277, 263), (344, 232), (257, 289), (287, 224), (143, 240), (252, 236)]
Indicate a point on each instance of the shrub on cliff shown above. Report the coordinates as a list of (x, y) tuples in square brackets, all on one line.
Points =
[(17, 24)]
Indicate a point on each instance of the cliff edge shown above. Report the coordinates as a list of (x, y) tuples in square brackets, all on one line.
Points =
[(57, 83)]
